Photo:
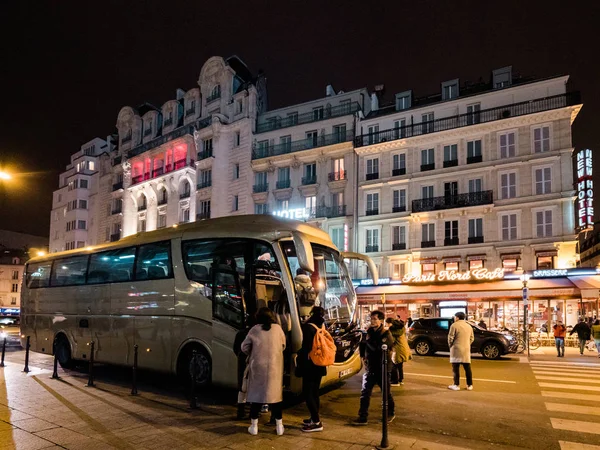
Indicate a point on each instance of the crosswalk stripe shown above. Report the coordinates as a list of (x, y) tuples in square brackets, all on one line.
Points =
[(574, 425), (564, 363), (575, 409), (569, 386), (565, 445), (572, 396), (566, 374), (563, 367), (570, 380)]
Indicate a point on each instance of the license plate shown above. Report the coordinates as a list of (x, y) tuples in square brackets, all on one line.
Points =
[(343, 373)]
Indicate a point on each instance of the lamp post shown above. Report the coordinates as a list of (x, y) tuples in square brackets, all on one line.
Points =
[(524, 279)]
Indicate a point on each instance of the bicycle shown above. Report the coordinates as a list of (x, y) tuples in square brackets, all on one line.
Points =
[(534, 343)]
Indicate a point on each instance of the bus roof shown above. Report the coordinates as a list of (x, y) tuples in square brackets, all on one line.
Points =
[(256, 226)]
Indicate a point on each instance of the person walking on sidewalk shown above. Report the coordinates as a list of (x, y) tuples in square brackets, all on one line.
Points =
[(560, 331), (460, 338), (583, 333), (371, 354), (596, 335), (265, 344), (400, 351), (311, 373)]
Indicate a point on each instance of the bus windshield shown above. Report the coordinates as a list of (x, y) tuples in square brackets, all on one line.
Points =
[(330, 281)]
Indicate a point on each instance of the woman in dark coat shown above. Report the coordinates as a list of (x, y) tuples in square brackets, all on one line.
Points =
[(310, 373)]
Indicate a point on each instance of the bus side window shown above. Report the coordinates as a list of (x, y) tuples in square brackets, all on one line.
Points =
[(69, 271), (153, 261), (112, 266), (38, 275)]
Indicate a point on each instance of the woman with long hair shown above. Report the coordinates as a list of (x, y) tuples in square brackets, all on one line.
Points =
[(264, 345)]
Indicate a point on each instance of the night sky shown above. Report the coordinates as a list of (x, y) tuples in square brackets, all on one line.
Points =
[(67, 67)]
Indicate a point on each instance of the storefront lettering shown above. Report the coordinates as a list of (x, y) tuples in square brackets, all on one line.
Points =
[(585, 191), (451, 275), (550, 273)]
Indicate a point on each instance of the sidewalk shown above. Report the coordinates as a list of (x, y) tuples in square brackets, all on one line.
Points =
[(37, 412), (571, 355)]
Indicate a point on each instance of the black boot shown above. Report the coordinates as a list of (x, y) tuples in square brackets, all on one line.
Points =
[(241, 411)]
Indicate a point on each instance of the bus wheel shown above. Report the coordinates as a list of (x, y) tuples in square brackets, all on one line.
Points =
[(203, 367), (63, 351)]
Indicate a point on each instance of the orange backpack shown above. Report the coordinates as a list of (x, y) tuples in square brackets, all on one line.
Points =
[(323, 349)]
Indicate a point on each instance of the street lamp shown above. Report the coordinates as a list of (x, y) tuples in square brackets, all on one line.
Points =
[(4, 176), (524, 279)]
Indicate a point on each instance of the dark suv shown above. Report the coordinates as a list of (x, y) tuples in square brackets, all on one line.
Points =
[(427, 336)]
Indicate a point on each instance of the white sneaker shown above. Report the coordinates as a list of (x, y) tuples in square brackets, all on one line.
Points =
[(454, 387), (470, 388), (253, 428), (279, 427)]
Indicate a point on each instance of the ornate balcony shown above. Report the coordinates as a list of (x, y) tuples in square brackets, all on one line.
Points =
[(264, 151), (476, 240), (205, 154), (282, 184), (398, 172), (451, 241), (453, 201), (427, 244), (331, 211), (309, 180), (265, 123), (156, 142), (371, 248), (399, 246), (204, 184), (372, 212), (372, 176), (257, 188), (203, 215), (426, 167), (474, 159), (463, 120), (337, 176), (451, 163), (398, 209), (117, 186)]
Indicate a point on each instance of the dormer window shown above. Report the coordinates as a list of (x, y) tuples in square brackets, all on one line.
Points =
[(450, 89), (502, 78), (215, 94), (148, 128), (127, 137), (191, 109), (403, 100), (169, 119)]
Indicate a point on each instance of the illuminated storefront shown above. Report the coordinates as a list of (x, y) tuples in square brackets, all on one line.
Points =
[(488, 295)]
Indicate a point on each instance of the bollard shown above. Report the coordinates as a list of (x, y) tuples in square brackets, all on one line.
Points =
[(193, 404), (134, 371), (27, 345), (3, 352), (385, 389), (55, 371), (90, 382)]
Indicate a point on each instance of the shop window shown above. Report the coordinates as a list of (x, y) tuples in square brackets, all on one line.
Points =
[(428, 269), (510, 265), (398, 270), (452, 266), (545, 262), (476, 264)]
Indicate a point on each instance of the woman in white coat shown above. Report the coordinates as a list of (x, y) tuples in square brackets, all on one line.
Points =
[(264, 345), (460, 339)]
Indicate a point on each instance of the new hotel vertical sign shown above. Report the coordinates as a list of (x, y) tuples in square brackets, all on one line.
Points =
[(585, 191)]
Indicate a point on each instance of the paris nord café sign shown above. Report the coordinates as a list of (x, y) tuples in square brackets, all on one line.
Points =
[(452, 275)]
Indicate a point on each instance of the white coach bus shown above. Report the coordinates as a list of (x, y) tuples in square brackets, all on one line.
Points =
[(190, 287)]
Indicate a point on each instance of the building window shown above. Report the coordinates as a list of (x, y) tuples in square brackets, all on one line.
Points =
[(81, 224), (428, 269), (510, 265), (545, 262), (400, 129), (507, 145), (261, 208), (450, 232), (508, 185), (13, 300), (15, 287), (372, 169), (544, 223), (312, 138), (162, 220), (426, 192), (399, 200), (236, 172), (373, 133), (475, 231), (473, 115), (236, 203), (475, 185), (292, 118), (204, 210), (285, 143), (398, 270), (402, 102), (451, 266), (474, 151), (372, 204), (339, 133), (541, 139), (476, 264), (239, 106), (318, 113), (543, 181), (450, 155), (310, 203), (283, 205), (141, 225), (310, 173), (184, 216), (449, 90), (15, 274), (427, 123), (207, 146), (399, 237), (337, 236), (428, 235), (82, 204), (205, 179), (237, 139), (509, 227), (427, 159), (372, 240), (399, 164)]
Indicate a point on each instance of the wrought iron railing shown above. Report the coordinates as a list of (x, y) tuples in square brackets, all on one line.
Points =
[(189, 112), (282, 184), (451, 241), (372, 176), (264, 150), (214, 96), (309, 180), (426, 167), (337, 176), (185, 194), (257, 188), (205, 155), (117, 186), (115, 237), (399, 246), (427, 244), (203, 123), (453, 201), (371, 248), (463, 120), (398, 209), (266, 123), (476, 240), (204, 184), (117, 210), (398, 172), (203, 215), (474, 159), (451, 163), (178, 132), (330, 211), (372, 212)]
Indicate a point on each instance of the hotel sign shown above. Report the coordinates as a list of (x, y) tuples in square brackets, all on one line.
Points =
[(452, 275), (585, 191), (297, 213)]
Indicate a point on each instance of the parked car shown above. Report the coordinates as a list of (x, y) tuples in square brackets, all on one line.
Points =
[(427, 336)]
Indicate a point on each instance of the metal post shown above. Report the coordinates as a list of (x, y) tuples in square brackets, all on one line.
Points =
[(3, 352), (90, 382), (55, 372), (134, 371), (27, 346), (193, 404), (385, 388)]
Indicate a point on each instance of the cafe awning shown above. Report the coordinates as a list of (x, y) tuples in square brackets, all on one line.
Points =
[(589, 286)]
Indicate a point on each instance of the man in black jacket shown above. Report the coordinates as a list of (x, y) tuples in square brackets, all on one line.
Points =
[(583, 333), (371, 353), (311, 374)]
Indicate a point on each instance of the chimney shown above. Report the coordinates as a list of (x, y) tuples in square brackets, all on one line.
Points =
[(179, 94), (329, 91), (374, 102)]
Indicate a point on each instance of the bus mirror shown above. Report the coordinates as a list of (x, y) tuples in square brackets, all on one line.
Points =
[(367, 260), (304, 252)]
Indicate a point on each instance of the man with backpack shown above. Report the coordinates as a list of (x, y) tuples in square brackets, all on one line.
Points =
[(371, 353), (583, 333), (318, 351)]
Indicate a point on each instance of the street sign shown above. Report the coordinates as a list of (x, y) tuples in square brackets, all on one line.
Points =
[(525, 296)]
